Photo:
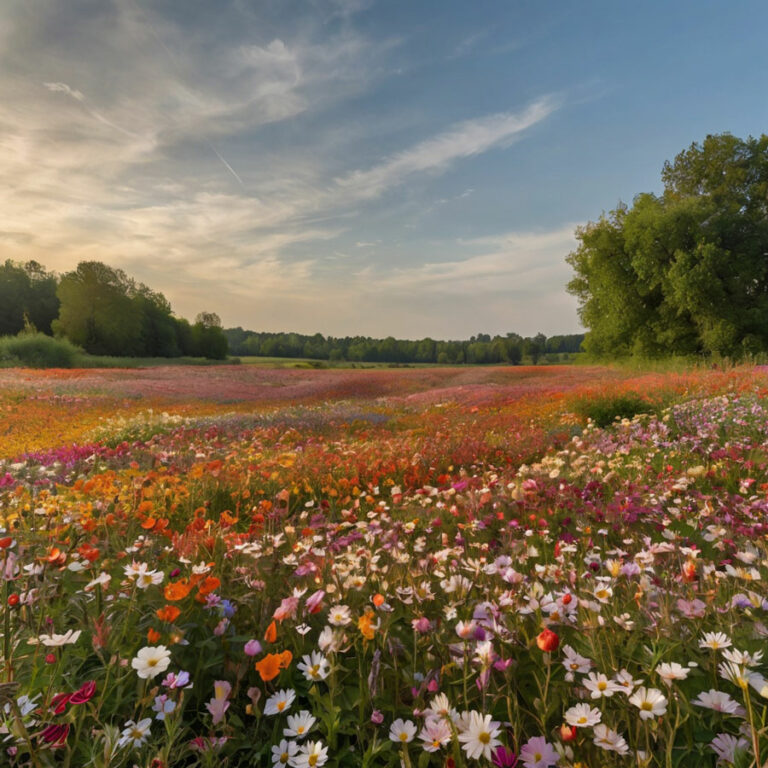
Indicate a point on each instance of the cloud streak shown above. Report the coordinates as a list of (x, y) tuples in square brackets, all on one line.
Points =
[(469, 138)]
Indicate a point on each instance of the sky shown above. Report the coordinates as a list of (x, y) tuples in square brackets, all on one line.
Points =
[(378, 167)]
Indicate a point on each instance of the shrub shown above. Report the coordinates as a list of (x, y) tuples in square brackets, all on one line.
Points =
[(36, 350), (605, 409)]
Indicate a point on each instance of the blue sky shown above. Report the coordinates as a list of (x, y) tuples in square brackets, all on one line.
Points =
[(355, 166)]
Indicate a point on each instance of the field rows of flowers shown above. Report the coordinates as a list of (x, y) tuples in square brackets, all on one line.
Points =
[(432, 569)]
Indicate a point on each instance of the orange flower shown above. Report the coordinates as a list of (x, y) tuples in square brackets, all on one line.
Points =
[(271, 634), (366, 625), (168, 613), (209, 585), (269, 667), (178, 590), (378, 600), (152, 635)]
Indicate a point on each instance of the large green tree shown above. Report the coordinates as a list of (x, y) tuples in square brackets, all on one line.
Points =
[(685, 271), (27, 296)]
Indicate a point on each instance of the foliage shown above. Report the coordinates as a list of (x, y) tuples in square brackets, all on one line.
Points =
[(37, 350), (479, 349), (684, 272), (108, 313), (605, 409), (27, 296)]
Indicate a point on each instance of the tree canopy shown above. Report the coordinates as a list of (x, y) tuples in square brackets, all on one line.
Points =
[(685, 271)]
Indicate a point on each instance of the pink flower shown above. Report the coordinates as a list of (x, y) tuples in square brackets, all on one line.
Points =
[(252, 648), (315, 600)]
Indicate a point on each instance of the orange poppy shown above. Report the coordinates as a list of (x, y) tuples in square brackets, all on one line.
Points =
[(269, 667), (178, 590), (168, 613), (208, 585), (271, 634), (152, 635)]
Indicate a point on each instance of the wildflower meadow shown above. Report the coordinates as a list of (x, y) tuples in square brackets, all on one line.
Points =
[(528, 567)]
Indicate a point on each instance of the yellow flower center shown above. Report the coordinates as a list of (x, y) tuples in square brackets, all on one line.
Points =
[(582, 720), (484, 737), (601, 686), (647, 706), (312, 760), (280, 706), (403, 736)]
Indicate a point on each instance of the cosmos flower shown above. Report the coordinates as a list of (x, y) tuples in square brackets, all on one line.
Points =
[(480, 737), (151, 661)]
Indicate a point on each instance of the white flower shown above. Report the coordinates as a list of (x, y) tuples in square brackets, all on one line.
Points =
[(151, 661), (402, 731), (284, 752), (744, 658), (479, 738), (330, 641), (599, 685), (440, 706), (715, 641), (56, 641), (651, 702), (339, 615), (315, 666), (313, 754), (672, 671), (148, 578), (279, 702), (607, 739), (625, 681), (582, 716), (435, 734), (716, 700), (299, 725), (574, 662), (135, 734)]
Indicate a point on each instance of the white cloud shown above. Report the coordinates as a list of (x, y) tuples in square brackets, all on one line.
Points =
[(464, 140)]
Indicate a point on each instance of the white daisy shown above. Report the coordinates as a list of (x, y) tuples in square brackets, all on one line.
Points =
[(480, 737), (650, 701), (582, 716), (402, 731), (135, 734), (299, 725), (715, 641), (312, 755), (279, 702), (315, 666), (284, 752)]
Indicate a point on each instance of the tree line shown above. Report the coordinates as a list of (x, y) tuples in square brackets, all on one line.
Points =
[(482, 348), (104, 311), (685, 271)]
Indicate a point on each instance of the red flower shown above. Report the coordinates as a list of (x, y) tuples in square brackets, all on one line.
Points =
[(567, 732), (59, 702), (548, 641), (84, 693), (55, 735)]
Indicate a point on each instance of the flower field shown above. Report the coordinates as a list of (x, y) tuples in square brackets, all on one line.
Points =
[(423, 567)]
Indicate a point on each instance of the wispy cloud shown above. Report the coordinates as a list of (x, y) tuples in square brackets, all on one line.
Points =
[(472, 137)]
